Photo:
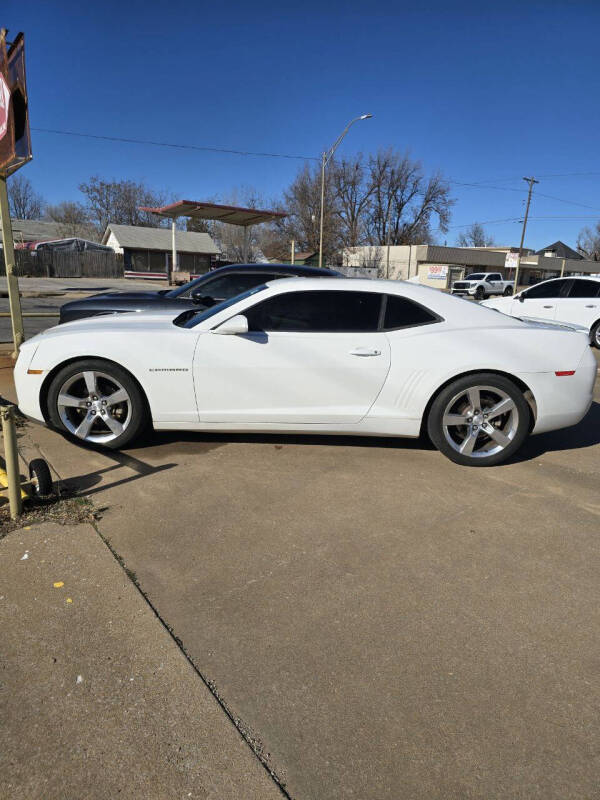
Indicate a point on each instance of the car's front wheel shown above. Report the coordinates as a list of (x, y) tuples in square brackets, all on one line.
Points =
[(479, 420), (479, 293), (508, 291), (98, 403)]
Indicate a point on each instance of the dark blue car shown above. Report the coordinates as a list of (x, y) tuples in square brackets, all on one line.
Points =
[(203, 292)]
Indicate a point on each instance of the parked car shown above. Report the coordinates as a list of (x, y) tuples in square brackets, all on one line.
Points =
[(569, 300), (483, 284), (328, 355), (207, 290)]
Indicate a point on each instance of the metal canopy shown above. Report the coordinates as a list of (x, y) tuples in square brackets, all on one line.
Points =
[(213, 211)]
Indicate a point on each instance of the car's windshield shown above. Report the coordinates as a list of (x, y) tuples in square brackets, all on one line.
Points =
[(191, 318), (476, 276)]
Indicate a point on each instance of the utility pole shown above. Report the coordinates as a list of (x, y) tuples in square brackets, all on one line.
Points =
[(530, 181)]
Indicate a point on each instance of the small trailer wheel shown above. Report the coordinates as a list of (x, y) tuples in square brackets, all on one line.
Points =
[(41, 479)]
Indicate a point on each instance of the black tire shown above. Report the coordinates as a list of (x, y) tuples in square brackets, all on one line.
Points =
[(595, 335), (508, 291), (479, 293), (40, 477), (134, 420), (518, 420)]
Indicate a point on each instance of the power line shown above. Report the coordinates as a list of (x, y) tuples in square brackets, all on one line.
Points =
[(204, 148), (523, 191)]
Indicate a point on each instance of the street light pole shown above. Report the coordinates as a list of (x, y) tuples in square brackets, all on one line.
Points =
[(530, 181), (325, 157)]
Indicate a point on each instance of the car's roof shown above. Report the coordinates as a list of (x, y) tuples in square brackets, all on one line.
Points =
[(284, 269), (570, 278)]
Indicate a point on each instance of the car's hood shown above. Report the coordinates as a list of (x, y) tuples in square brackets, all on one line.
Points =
[(497, 302), (125, 323), (128, 296)]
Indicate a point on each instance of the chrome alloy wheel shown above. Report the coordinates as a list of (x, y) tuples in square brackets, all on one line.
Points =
[(94, 406), (480, 421)]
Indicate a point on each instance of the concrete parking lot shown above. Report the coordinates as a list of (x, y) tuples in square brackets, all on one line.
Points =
[(384, 623)]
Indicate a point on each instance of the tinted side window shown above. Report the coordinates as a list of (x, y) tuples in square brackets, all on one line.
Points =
[(585, 289), (231, 285), (495, 276), (317, 311), (550, 289), (402, 313)]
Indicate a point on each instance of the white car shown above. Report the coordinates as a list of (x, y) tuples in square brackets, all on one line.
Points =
[(569, 300), (322, 355), (483, 284)]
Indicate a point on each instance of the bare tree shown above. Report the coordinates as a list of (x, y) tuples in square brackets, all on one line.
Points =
[(353, 192), (302, 201), (375, 200), (475, 236), (73, 220), (588, 242), (119, 202), (403, 202), (24, 202)]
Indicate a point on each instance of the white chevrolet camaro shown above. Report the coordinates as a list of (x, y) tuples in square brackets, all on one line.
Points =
[(320, 355)]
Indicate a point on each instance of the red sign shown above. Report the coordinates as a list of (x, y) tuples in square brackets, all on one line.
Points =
[(15, 143), (4, 101)]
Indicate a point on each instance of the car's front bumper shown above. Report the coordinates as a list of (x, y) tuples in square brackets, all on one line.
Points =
[(29, 385)]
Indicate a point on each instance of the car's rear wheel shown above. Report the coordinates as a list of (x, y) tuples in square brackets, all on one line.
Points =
[(98, 403), (508, 291), (479, 420), (595, 335)]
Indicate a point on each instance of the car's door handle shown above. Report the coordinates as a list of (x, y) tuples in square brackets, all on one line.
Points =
[(365, 351), (548, 306), (592, 306)]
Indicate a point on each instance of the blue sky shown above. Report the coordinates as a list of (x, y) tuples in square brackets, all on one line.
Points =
[(487, 93)]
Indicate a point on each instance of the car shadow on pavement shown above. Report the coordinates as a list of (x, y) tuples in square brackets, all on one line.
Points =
[(170, 442), (585, 434), (163, 443)]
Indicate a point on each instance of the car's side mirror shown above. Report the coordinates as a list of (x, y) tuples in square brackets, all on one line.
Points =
[(235, 325), (521, 297)]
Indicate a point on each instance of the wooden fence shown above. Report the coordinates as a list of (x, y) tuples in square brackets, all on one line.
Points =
[(66, 264)]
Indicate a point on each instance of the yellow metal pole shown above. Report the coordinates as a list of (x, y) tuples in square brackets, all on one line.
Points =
[(9, 259), (9, 429)]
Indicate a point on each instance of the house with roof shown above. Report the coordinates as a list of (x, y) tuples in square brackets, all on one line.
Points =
[(559, 250), (147, 252)]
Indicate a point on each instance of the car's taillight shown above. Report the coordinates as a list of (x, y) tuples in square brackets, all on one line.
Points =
[(562, 373)]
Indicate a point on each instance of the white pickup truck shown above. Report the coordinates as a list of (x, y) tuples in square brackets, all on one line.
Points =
[(483, 284)]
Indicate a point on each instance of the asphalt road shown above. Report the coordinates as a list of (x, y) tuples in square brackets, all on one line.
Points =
[(48, 295), (385, 624)]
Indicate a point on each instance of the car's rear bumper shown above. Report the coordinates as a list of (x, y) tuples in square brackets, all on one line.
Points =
[(563, 400)]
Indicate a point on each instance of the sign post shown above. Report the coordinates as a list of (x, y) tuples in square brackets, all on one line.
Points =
[(15, 151), (14, 298), (511, 262)]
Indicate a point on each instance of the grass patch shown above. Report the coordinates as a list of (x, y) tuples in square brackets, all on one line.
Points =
[(62, 510)]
